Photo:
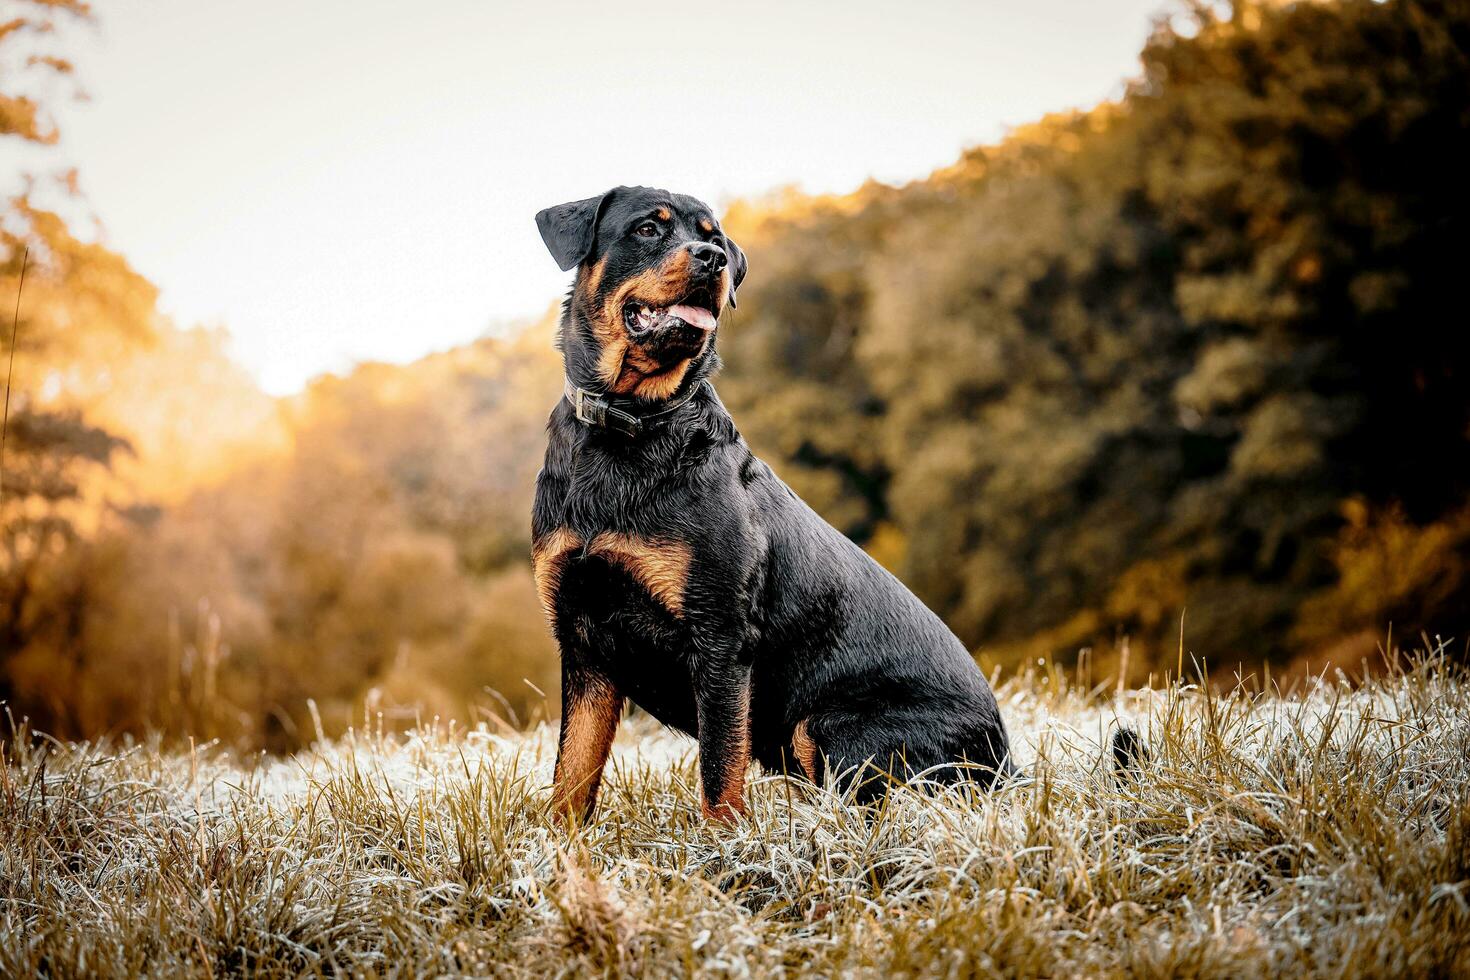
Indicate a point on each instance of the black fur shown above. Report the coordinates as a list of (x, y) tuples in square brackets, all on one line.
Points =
[(786, 644), (567, 230), (1130, 755)]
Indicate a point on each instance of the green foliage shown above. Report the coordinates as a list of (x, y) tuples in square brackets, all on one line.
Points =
[(1172, 334)]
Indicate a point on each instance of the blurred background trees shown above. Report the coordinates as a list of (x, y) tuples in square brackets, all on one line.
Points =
[(1199, 349)]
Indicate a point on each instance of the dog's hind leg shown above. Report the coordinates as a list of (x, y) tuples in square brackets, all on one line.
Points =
[(868, 753)]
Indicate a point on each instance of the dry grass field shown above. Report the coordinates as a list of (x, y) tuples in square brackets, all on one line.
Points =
[(1325, 832)]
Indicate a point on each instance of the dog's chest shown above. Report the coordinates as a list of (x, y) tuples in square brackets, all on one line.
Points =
[(659, 565), (620, 598), (589, 513)]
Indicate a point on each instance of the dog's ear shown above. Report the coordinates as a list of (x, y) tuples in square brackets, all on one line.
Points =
[(737, 267), (569, 230)]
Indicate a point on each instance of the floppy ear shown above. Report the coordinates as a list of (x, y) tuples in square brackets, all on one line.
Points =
[(737, 268), (570, 229)]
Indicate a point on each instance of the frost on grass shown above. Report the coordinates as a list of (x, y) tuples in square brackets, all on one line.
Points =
[(1322, 833)]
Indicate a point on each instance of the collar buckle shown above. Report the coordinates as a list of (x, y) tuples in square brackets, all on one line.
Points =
[(577, 407)]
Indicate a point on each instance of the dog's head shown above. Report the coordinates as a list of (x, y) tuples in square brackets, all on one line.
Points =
[(654, 273)]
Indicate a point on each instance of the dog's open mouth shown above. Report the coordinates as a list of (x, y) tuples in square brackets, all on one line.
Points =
[(696, 309)]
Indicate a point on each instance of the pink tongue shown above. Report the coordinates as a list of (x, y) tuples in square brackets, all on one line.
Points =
[(694, 316)]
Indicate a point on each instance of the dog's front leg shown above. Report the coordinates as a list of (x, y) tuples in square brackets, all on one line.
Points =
[(590, 708), (723, 699)]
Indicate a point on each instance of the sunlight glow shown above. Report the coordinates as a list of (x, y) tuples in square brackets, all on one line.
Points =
[(339, 181)]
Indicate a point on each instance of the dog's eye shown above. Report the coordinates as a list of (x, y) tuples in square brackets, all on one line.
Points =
[(646, 230)]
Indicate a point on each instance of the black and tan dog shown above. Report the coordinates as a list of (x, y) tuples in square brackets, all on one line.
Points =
[(680, 573)]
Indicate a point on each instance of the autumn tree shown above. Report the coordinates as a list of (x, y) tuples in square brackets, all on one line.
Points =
[(1198, 349)]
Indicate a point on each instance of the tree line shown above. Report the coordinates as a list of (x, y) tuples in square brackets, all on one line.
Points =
[(1198, 350), (1193, 360)]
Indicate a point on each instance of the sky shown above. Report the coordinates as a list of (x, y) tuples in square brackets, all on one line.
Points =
[(344, 180)]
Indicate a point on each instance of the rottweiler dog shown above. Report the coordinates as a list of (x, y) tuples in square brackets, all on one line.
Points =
[(679, 572)]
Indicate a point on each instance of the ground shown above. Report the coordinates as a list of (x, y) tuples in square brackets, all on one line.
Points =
[(1322, 833)]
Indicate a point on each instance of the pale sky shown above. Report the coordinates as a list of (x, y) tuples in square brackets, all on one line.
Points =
[(345, 180)]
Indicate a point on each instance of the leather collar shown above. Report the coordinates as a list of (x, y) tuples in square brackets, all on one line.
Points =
[(597, 412)]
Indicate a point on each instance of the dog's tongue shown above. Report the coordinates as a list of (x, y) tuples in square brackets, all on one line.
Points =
[(694, 316)]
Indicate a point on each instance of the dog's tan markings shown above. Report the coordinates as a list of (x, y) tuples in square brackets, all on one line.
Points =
[(592, 278), (664, 214), (805, 750), (659, 565), (651, 286), (645, 377), (589, 722), (548, 558), (605, 320), (706, 226), (657, 385), (662, 285), (730, 801), (622, 365), (610, 361), (675, 269)]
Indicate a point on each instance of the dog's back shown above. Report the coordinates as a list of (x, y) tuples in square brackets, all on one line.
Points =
[(853, 656)]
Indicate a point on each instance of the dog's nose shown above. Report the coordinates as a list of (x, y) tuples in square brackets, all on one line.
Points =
[(708, 258)]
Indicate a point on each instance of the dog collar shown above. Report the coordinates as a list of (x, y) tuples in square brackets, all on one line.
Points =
[(595, 411)]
